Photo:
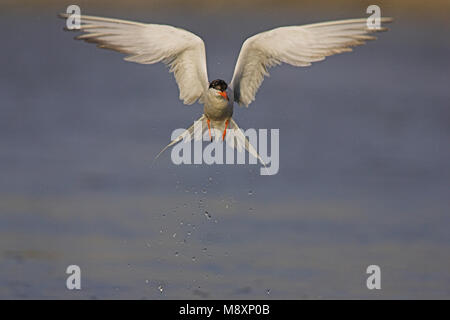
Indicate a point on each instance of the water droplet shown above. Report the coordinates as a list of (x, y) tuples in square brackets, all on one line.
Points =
[(204, 249), (268, 291), (176, 253), (160, 288), (203, 191), (181, 223), (227, 206), (174, 235), (193, 258), (250, 192), (210, 179), (147, 281), (207, 215)]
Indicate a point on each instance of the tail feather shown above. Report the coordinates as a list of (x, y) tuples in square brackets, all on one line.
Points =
[(188, 134), (242, 142), (202, 127)]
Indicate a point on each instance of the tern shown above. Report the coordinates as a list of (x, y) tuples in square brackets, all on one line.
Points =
[(184, 53)]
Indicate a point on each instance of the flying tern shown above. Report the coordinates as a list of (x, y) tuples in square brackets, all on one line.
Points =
[(184, 53)]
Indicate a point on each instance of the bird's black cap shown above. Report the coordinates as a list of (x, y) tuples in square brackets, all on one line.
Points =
[(218, 85)]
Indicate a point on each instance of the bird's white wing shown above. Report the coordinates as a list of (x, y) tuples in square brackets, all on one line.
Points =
[(295, 45), (181, 50)]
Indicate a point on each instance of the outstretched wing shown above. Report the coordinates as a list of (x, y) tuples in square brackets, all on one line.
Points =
[(181, 50), (295, 45)]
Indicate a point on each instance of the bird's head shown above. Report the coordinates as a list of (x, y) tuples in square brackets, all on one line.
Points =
[(220, 87)]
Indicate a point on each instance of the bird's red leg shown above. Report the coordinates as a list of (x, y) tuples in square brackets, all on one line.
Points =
[(225, 131), (209, 129)]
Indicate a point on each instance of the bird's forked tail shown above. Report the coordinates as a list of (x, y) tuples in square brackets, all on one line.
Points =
[(200, 126)]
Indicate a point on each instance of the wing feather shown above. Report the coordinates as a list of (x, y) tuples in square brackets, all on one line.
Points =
[(181, 50), (295, 45)]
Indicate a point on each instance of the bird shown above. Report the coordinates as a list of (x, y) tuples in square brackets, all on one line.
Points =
[(184, 53)]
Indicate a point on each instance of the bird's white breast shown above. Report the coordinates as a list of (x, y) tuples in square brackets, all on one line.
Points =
[(217, 108)]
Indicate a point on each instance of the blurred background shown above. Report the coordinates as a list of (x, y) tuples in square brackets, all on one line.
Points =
[(364, 161)]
